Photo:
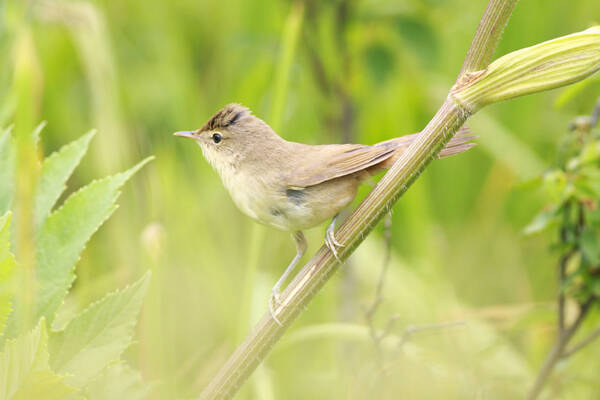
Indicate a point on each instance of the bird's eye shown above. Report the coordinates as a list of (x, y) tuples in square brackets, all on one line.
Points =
[(216, 137)]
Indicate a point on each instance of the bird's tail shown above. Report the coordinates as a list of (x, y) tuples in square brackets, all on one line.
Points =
[(459, 143)]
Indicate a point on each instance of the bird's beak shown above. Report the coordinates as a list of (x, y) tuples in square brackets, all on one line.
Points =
[(187, 134)]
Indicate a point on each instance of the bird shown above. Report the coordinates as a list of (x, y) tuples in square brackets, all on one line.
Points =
[(294, 186)]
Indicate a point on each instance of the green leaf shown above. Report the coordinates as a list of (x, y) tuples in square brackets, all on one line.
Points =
[(7, 171), (7, 269), (596, 287), (117, 381), (98, 335), (24, 370), (57, 168), (587, 183), (556, 186), (63, 236), (590, 246), (37, 131), (541, 221)]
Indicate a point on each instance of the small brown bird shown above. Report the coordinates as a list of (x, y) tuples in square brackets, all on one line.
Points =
[(293, 186)]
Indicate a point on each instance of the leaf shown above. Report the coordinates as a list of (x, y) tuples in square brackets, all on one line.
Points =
[(7, 269), (556, 186), (7, 171), (541, 221), (596, 287), (117, 381), (63, 236), (98, 335), (37, 131), (24, 370), (56, 169), (587, 183), (590, 246)]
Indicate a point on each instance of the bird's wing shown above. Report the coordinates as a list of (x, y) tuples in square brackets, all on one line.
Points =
[(326, 162), (333, 161)]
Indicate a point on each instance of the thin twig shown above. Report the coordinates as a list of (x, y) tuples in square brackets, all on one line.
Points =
[(411, 330), (595, 115), (562, 272), (378, 299), (591, 337), (556, 354), (561, 283), (387, 236), (317, 65)]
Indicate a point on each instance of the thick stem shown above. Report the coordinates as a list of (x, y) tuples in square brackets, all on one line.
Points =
[(488, 34)]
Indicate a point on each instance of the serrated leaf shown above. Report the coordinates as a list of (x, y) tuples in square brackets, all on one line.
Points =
[(7, 269), (63, 236), (117, 381), (7, 171), (37, 131), (98, 335), (56, 170), (24, 369)]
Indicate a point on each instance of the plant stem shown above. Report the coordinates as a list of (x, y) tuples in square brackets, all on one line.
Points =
[(488, 34), (558, 351), (28, 90), (361, 222), (289, 42), (591, 337)]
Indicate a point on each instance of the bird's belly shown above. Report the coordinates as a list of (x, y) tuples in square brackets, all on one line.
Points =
[(300, 209), (291, 209)]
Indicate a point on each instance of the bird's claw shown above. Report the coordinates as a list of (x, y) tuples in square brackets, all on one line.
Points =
[(274, 302), (332, 243)]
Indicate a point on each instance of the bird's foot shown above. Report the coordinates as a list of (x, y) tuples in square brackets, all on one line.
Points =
[(331, 242), (275, 302)]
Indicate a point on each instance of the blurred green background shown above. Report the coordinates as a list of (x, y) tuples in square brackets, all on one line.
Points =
[(319, 72)]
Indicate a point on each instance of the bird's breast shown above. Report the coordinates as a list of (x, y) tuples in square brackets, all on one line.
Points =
[(266, 200)]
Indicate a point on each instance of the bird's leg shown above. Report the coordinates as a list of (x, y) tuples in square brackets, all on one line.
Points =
[(301, 249), (330, 240)]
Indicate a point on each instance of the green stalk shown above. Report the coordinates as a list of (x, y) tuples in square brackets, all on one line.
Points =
[(488, 34), (289, 41), (27, 84)]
